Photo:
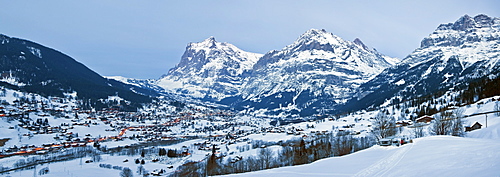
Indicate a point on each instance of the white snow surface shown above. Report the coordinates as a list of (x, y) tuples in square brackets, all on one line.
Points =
[(121, 79), (430, 156), (10, 79), (35, 51), (476, 154)]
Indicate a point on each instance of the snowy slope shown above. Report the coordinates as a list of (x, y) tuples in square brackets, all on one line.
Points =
[(209, 70), (449, 58), (147, 86), (430, 156), (476, 154), (317, 70)]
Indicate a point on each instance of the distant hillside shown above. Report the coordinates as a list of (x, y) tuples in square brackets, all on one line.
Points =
[(34, 68)]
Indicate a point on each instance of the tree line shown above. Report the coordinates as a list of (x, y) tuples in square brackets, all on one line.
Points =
[(292, 152)]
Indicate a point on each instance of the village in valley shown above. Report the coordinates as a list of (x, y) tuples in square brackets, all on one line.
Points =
[(249, 88), (168, 138)]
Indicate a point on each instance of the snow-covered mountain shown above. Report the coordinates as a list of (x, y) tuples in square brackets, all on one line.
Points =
[(147, 86), (209, 70), (33, 68), (319, 70), (454, 55)]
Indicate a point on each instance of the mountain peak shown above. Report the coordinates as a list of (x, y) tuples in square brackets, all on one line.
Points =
[(209, 42), (358, 41), (463, 23), (315, 33), (465, 30), (209, 70), (467, 22), (314, 38), (210, 39), (483, 20), (56, 74)]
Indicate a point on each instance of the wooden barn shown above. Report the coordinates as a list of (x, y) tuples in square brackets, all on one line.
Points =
[(474, 126), (424, 119)]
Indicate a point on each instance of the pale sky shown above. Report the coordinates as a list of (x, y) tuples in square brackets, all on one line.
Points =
[(144, 39)]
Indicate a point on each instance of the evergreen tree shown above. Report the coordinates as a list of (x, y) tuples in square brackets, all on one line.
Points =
[(162, 152), (300, 156), (212, 164)]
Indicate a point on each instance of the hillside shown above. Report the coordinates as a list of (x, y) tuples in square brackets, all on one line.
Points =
[(476, 153), (452, 58), (34, 68), (429, 156)]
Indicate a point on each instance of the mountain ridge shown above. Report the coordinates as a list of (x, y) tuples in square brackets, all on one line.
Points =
[(209, 70), (451, 57), (318, 69), (34, 68)]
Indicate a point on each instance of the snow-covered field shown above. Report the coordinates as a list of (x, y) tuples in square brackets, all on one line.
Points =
[(477, 154), (474, 155), (429, 156)]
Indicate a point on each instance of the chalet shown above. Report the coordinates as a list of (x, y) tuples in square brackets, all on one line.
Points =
[(424, 119), (475, 126), (403, 123)]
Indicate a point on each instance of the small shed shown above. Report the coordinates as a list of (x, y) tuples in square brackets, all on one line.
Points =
[(403, 123), (474, 126)]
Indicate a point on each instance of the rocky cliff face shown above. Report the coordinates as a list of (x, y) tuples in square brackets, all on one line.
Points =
[(316, 72), (321, 72), (449, 58), (209, 70)]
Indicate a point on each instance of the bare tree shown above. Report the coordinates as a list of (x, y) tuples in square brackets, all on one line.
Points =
[(457, 128), (286, 156), (442, 123), (497, 108), (96, 157), (418, 131), (266, 156), (448, 123), (383, 126), (140, 169), (252, 164), (343, 143)]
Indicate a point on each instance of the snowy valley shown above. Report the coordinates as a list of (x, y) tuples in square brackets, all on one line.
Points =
[(321, 106)]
